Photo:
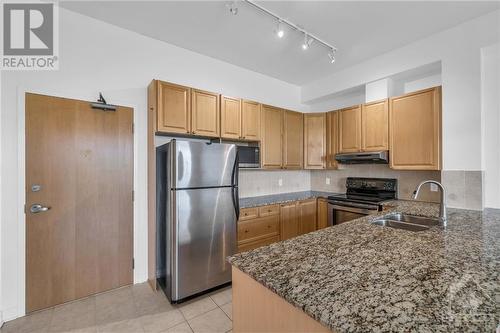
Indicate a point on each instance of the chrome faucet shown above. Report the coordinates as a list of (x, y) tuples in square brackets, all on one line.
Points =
[(442, 207)]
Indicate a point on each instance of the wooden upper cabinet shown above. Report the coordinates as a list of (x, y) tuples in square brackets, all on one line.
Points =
[(271, 137), (293, 140), (250, 120), (375, 126), (350, 129), (230, 118), (332, 139), (289, 221), (205, 113), (314, 140), (415, 130), (173, 108), (307, 216)]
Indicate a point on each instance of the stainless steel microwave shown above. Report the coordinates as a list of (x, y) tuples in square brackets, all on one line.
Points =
[(248, 157)]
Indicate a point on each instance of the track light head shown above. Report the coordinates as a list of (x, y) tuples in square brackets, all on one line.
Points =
[(331, 55), (280, 32), (307, 42), (233, 7)]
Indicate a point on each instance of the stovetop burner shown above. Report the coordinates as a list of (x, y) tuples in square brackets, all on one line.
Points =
[(368, 190)]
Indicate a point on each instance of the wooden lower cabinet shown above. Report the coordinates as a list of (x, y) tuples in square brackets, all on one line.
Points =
[(306, 211), (322, 215), (260, 226)]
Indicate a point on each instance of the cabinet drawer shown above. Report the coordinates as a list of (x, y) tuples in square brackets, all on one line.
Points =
[(261, 242), (248, 213), (269, 210), (258, 228)]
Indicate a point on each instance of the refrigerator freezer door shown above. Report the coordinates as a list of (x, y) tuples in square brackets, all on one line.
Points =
[(199, 164), (204, 236)]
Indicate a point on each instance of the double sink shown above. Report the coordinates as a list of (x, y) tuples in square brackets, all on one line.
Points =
[(406, 222)]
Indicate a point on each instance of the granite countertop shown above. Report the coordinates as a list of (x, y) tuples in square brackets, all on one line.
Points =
[(281, 198), (358, 277)]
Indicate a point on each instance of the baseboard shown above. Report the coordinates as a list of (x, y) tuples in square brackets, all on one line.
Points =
[(10, 314)]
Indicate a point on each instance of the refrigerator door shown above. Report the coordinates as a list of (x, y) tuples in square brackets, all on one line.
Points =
[(198, 164), (204, 236)]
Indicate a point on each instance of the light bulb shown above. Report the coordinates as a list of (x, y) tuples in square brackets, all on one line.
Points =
[(279, 30), (307, 42)]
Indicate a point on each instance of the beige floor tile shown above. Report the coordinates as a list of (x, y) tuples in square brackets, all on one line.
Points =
[(36, 322), (115, 306), (197, 306), (181, 328), (214, 321), (124, 326), (228, 309), (151, 302), (160, 322), (222, 297), (73, 316)]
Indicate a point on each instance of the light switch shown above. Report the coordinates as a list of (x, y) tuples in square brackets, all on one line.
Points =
[(327, 181), (280, 182), (434, 187)]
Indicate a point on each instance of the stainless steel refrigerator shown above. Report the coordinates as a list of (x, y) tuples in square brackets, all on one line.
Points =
[(197, 211)]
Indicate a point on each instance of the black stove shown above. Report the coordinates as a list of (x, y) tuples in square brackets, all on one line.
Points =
[(367, 191)]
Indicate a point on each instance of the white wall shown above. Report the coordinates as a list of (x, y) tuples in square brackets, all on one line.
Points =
[(95, 56), (458, 49), (490, 108)]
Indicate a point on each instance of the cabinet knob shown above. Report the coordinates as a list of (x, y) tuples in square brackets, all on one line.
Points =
[(246, 231)]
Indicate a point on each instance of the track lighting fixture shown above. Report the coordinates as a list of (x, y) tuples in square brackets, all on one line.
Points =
[(280, 32), (307, 42), (331, 55), (233, 7)]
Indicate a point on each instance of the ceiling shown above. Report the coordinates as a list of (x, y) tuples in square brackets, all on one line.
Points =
[(360, 30)]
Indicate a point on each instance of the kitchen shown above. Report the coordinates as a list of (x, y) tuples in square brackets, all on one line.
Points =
[(340, 148)]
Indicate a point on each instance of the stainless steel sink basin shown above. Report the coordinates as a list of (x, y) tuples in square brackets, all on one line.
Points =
[(420, 220), (399, 225)]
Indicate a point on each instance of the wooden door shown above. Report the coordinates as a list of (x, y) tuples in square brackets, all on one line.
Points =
[(314, 140), (230, 118), (293, 140), (415, 130), (79, 163), (271, 137), (307, 216), (250, 120), (174, 108), (375, 126), (289, 221), (350, 130), (205, 113), (322, 213), (332, 139)]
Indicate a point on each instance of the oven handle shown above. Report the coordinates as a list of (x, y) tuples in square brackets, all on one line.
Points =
[(352, 209)]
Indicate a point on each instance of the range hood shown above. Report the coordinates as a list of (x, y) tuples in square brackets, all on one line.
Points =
[(373, 157)]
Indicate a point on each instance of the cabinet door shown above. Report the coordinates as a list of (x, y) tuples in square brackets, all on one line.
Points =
[(271, 140), (174, 108), (415, 130), (250, 120), (289, 221), (307, 216), (205, 114), (375, 126), (293, 140), (350, 130), (322, 213), (332, 139), (230, 118), (314, 140)]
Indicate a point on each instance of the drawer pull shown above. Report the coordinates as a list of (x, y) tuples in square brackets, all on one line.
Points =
[(246, 231)]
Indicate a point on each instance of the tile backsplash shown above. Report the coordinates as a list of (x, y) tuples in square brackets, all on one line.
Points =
[(259, 182)]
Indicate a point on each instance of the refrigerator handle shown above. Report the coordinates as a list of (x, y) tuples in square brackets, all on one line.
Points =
[(234, 189), (235, 174)]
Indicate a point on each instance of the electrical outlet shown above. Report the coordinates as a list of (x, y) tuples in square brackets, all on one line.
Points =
[(327, 181), (434, 187), (280, 182)]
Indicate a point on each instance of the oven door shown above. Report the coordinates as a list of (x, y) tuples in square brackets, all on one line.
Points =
[(344, 212)]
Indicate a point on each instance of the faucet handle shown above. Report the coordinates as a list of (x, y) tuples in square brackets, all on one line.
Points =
[(414, 195)]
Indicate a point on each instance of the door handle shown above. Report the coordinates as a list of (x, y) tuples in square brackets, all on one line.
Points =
[(37, 208)]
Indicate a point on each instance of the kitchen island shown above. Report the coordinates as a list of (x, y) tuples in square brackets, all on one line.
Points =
[(358, 277)]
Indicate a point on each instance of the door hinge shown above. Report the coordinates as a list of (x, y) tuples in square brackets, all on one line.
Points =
[(133, 127), (25, 209), (133, 263)]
